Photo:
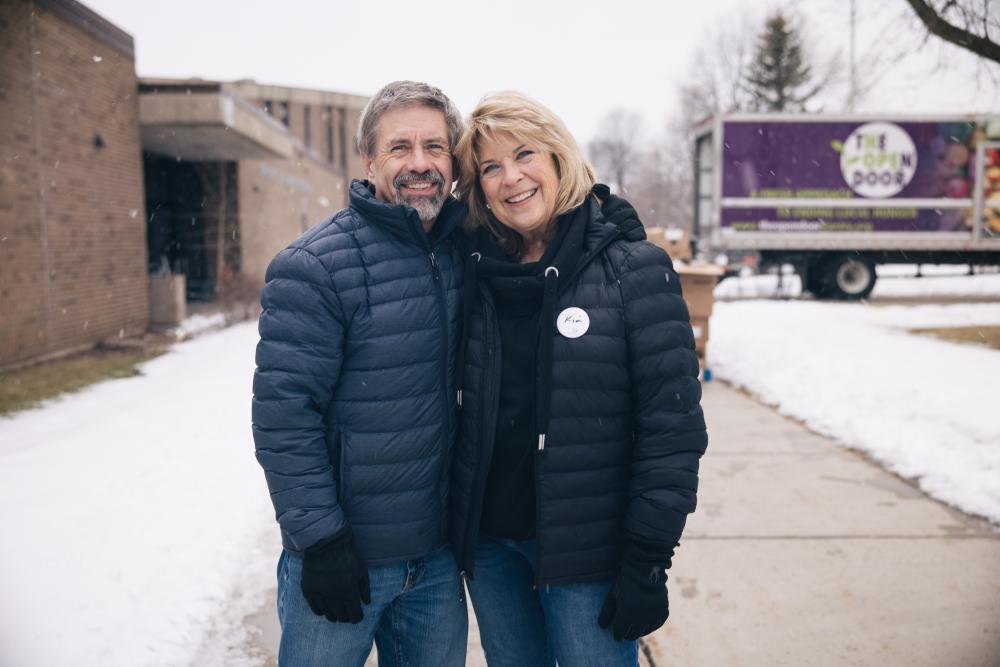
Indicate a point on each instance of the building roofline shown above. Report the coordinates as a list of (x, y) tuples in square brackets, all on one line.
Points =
[(151, 85), (251, 90), (92, 23), (209, 125)]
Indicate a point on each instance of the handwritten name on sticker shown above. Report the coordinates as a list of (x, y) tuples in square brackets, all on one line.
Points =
[(573, 322)]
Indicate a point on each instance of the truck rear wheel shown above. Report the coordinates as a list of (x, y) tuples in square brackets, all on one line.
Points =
[(847, 277)]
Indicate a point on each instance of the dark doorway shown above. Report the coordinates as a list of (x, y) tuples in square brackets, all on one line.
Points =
[(190, 207)]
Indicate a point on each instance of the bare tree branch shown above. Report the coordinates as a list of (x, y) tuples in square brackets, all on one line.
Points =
[(616, 149), (936, 24)]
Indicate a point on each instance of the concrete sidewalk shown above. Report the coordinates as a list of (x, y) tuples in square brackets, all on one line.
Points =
[(804, 553)]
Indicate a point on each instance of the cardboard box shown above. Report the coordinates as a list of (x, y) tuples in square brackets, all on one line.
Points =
[(698, 282), (674, 241)]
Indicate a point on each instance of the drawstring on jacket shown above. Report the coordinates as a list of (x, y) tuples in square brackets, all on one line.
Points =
[(546, 320)]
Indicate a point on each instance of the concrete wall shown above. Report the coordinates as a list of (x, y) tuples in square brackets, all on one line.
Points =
[(343, 111), (278, 201), (281, 199), (72, 229)]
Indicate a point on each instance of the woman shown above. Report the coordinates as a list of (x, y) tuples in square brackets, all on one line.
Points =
[(581, 430)]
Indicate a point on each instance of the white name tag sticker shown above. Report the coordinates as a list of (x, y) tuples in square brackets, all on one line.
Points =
[(573, 322)]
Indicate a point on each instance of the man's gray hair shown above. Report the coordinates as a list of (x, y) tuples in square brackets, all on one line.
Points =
[(397, 95)]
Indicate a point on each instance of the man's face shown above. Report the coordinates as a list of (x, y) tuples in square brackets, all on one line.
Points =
[(412, 162)]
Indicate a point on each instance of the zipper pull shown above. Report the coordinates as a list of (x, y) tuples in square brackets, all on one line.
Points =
[(541, 441), (435, 271)]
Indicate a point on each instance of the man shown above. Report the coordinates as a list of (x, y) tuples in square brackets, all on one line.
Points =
[(354, 402)]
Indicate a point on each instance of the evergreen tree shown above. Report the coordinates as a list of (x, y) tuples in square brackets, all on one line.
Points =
[(779, 77)]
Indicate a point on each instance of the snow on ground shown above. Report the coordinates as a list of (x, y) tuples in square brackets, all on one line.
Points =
[(925, 408), (894, 281), (138, 529), (199, 324)]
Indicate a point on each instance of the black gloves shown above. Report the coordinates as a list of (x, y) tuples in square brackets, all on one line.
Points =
[(335, 579), (637, 602)]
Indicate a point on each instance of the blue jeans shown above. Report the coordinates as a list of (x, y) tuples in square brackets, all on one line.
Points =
[(524, 627), (416, 618)]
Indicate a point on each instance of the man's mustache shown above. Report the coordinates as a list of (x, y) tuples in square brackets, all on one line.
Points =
[(409, 177)]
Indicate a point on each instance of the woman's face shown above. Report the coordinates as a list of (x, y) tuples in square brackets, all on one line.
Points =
[(520, 183)]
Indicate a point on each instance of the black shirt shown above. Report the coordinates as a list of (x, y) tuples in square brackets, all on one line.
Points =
[(509, 500)]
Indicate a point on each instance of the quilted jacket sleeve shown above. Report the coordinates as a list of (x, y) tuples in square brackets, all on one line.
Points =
[(298, 363), (669, 427)]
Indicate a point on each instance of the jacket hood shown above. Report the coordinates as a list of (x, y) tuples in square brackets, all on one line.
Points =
[(620, 213)]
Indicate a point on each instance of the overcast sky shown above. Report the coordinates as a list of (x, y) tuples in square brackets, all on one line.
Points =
[(580, 58)]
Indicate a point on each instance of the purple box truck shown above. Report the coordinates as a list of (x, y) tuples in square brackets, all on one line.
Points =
[(835, 195)]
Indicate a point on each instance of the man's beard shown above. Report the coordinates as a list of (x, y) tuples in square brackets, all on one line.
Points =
[(427, 207)]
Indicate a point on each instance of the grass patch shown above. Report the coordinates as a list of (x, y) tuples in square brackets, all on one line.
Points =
[(984, 335), (27, 387)]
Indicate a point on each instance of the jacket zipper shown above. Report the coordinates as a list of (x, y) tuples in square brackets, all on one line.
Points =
[(435, 271), (445, 349), (539, 457), (487, 432)]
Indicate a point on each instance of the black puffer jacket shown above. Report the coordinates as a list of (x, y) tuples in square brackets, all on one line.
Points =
[(618, 407)]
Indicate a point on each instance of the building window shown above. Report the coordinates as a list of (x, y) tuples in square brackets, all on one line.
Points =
[(342, 135), (328, 122), (269, 107), (307, 122), (283, 113)]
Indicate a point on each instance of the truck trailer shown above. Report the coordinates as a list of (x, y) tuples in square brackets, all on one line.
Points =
[(835, 195)]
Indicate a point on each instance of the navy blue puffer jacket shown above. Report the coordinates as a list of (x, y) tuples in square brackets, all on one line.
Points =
[(353, 407), (620, 404)]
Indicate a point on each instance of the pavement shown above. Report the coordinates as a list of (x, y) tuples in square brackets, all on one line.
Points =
[(803, 552)]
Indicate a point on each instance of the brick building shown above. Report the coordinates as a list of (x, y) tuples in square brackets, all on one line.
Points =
[(72, 223), (113, 187)]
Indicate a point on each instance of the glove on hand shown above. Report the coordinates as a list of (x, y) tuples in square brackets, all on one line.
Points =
[(637, 602), (335, 580)]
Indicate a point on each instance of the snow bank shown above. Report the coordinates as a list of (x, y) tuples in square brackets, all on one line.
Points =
[(925, 408), (137, 521)]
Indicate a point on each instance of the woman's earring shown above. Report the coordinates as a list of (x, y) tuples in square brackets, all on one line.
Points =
[(488, 207)]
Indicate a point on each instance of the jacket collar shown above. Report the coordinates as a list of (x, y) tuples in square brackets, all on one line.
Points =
[(401, 220)]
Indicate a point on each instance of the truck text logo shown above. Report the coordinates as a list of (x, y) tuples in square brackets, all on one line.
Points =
[(878, 160)]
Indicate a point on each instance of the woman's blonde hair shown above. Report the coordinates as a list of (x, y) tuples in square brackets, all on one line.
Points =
[(530, 121)]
